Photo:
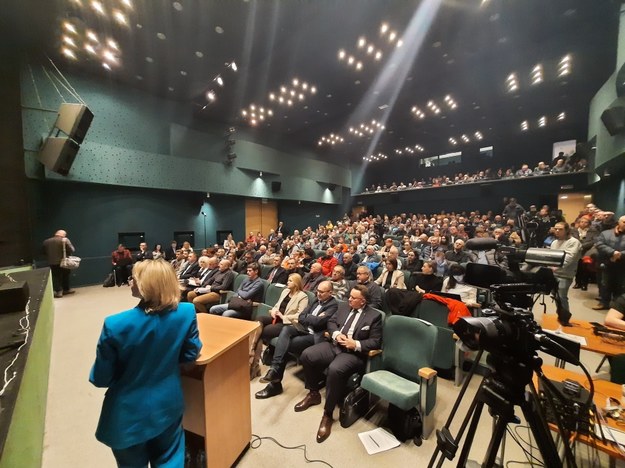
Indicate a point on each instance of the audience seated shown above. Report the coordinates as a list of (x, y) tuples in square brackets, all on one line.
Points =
[(208, 292), (122, 264), (391, 277), (454, 284)]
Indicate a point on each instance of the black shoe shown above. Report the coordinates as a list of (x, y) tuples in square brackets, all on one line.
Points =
[(270, 377), (69, 291), (564, 319), (267, 356), (271, 390)]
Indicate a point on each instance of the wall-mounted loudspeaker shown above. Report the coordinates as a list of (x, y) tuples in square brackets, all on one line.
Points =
[(74, 120), (614, 120), (58, 154), (276, 185)]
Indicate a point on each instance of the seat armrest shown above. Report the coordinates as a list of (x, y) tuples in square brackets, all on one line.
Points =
[(374, 352), (427, 373)]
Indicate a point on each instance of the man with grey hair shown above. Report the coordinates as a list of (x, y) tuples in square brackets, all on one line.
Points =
[(55, 248), (365, 277)]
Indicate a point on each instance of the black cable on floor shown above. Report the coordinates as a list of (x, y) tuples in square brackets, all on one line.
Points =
[(257, 442)]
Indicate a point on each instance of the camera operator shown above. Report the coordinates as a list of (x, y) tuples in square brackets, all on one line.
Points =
[(565, 274)]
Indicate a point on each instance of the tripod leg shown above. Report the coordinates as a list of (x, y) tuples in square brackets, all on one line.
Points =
[(495, 441), (543, 438), (477, 412)]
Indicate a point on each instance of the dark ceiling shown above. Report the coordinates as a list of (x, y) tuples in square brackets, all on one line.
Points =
[(462, 48)]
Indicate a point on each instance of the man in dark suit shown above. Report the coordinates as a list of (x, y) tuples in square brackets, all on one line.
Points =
[(170, 252), (350, 266), (277, 274), (143, 253), (191, 269), (295, 339), (355, 330), (208, 293)]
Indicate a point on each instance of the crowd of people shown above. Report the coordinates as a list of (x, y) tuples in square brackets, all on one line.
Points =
[(561, 165), (350, 266)]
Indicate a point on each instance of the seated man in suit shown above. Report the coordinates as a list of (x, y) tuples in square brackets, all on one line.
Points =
[(191, 269), (312, 323), (208, 292), (355, 329), (278, 274), (365, 277), (350, 266), (143, 253)]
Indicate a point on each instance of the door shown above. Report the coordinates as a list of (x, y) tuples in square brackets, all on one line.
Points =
[(260, 215)]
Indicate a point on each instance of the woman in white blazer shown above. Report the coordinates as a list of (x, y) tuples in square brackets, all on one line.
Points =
[(391, 277)]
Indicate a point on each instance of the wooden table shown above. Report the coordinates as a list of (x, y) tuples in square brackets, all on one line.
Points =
[(603, 389), (594, 343), (217, 390)]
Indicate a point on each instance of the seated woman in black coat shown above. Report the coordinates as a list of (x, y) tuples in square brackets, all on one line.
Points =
[(427, 281)]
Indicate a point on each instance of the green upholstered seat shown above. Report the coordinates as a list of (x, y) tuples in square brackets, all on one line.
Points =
[(408, 346)]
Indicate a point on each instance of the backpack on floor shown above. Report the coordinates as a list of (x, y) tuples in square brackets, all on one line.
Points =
[(404, 424), (109, 281)]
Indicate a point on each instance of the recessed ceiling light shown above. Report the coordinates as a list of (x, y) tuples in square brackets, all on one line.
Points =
[(437, 44), (69, 53), (139, 77), (177, 6), (161, 36), (139, 26), (97, 6), (92, 36), (149, 59), (107, 66), (70, 27), (183, 73), (120, 17), (219, 30), (328, 95), (170, 88), (199, 54), (127, 3)]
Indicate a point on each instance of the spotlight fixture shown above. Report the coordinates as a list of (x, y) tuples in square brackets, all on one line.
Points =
[(564, 66)]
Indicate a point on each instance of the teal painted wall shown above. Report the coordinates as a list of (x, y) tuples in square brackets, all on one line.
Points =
[(145, 141)]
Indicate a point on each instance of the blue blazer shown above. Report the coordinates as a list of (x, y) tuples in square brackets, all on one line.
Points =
[(138, 357)]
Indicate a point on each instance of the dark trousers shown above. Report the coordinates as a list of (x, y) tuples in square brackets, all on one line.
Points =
[(290, 340), (341, 366), (122, 273), (60, 278), (583, 274), (611, 283), (270, 329), (163, 451)]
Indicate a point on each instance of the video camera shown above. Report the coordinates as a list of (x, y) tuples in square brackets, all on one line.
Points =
[(507, 330)]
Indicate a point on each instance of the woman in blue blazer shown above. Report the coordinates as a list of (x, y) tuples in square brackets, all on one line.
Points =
[(138, 357)]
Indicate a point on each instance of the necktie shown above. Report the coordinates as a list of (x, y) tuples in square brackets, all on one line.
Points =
[(349, 322), (273, 273)]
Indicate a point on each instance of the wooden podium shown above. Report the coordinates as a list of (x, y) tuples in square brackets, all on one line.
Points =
[(217, 390)]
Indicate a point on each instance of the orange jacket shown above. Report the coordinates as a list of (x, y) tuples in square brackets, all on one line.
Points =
[(457, 309)]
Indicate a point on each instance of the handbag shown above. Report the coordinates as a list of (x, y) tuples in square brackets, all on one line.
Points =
[(354, 406), (244, 306), (70, 262), (109, 282)]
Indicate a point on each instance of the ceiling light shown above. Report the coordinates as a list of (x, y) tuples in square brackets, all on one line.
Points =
[(313, 90), (361, 42), (219, 80), (561, 116), (112, 44), (289, 102), (383, 28), (272, 96), (542, 122), (359, 66), (183, 73), (400, 43), (69, 53), (92, 36), (269, 112), (199, 54), (244, 113), (219, 30), (524, 125), (149, 59), (89, 48), (282, 89), (108, 56), (69, 41), (253, 121), (107, 66), (378, 55), (210, 95), (295, 82), (392, 36), (161, 36), (233, 66), (301, 97), (70, 27), (350, 60), (97, 6), (120, 17), (304, 86), (341, 54), (127, 3), (177, 6), (281, 100)]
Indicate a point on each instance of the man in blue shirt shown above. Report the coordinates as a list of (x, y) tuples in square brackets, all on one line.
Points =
[(250, 290)]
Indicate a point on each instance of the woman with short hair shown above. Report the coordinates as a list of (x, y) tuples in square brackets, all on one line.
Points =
[(137, 359)]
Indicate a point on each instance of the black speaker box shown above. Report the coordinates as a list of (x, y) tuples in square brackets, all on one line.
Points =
[(74, 120), (614, 120), (276, 185), (13, 296), (58, 154)]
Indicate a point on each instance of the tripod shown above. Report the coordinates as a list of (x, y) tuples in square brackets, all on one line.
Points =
[(501, 392)]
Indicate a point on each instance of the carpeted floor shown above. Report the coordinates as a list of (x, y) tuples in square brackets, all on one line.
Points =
[(74, 404)]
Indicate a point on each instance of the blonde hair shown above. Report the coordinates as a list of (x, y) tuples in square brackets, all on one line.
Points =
[(297, 281), (157, 284)]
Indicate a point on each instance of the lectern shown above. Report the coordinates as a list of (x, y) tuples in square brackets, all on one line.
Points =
[(217, 390)]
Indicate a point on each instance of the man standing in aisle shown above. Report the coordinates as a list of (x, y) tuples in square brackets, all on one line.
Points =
[(611, 246), (53, 248), (565, 274)]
